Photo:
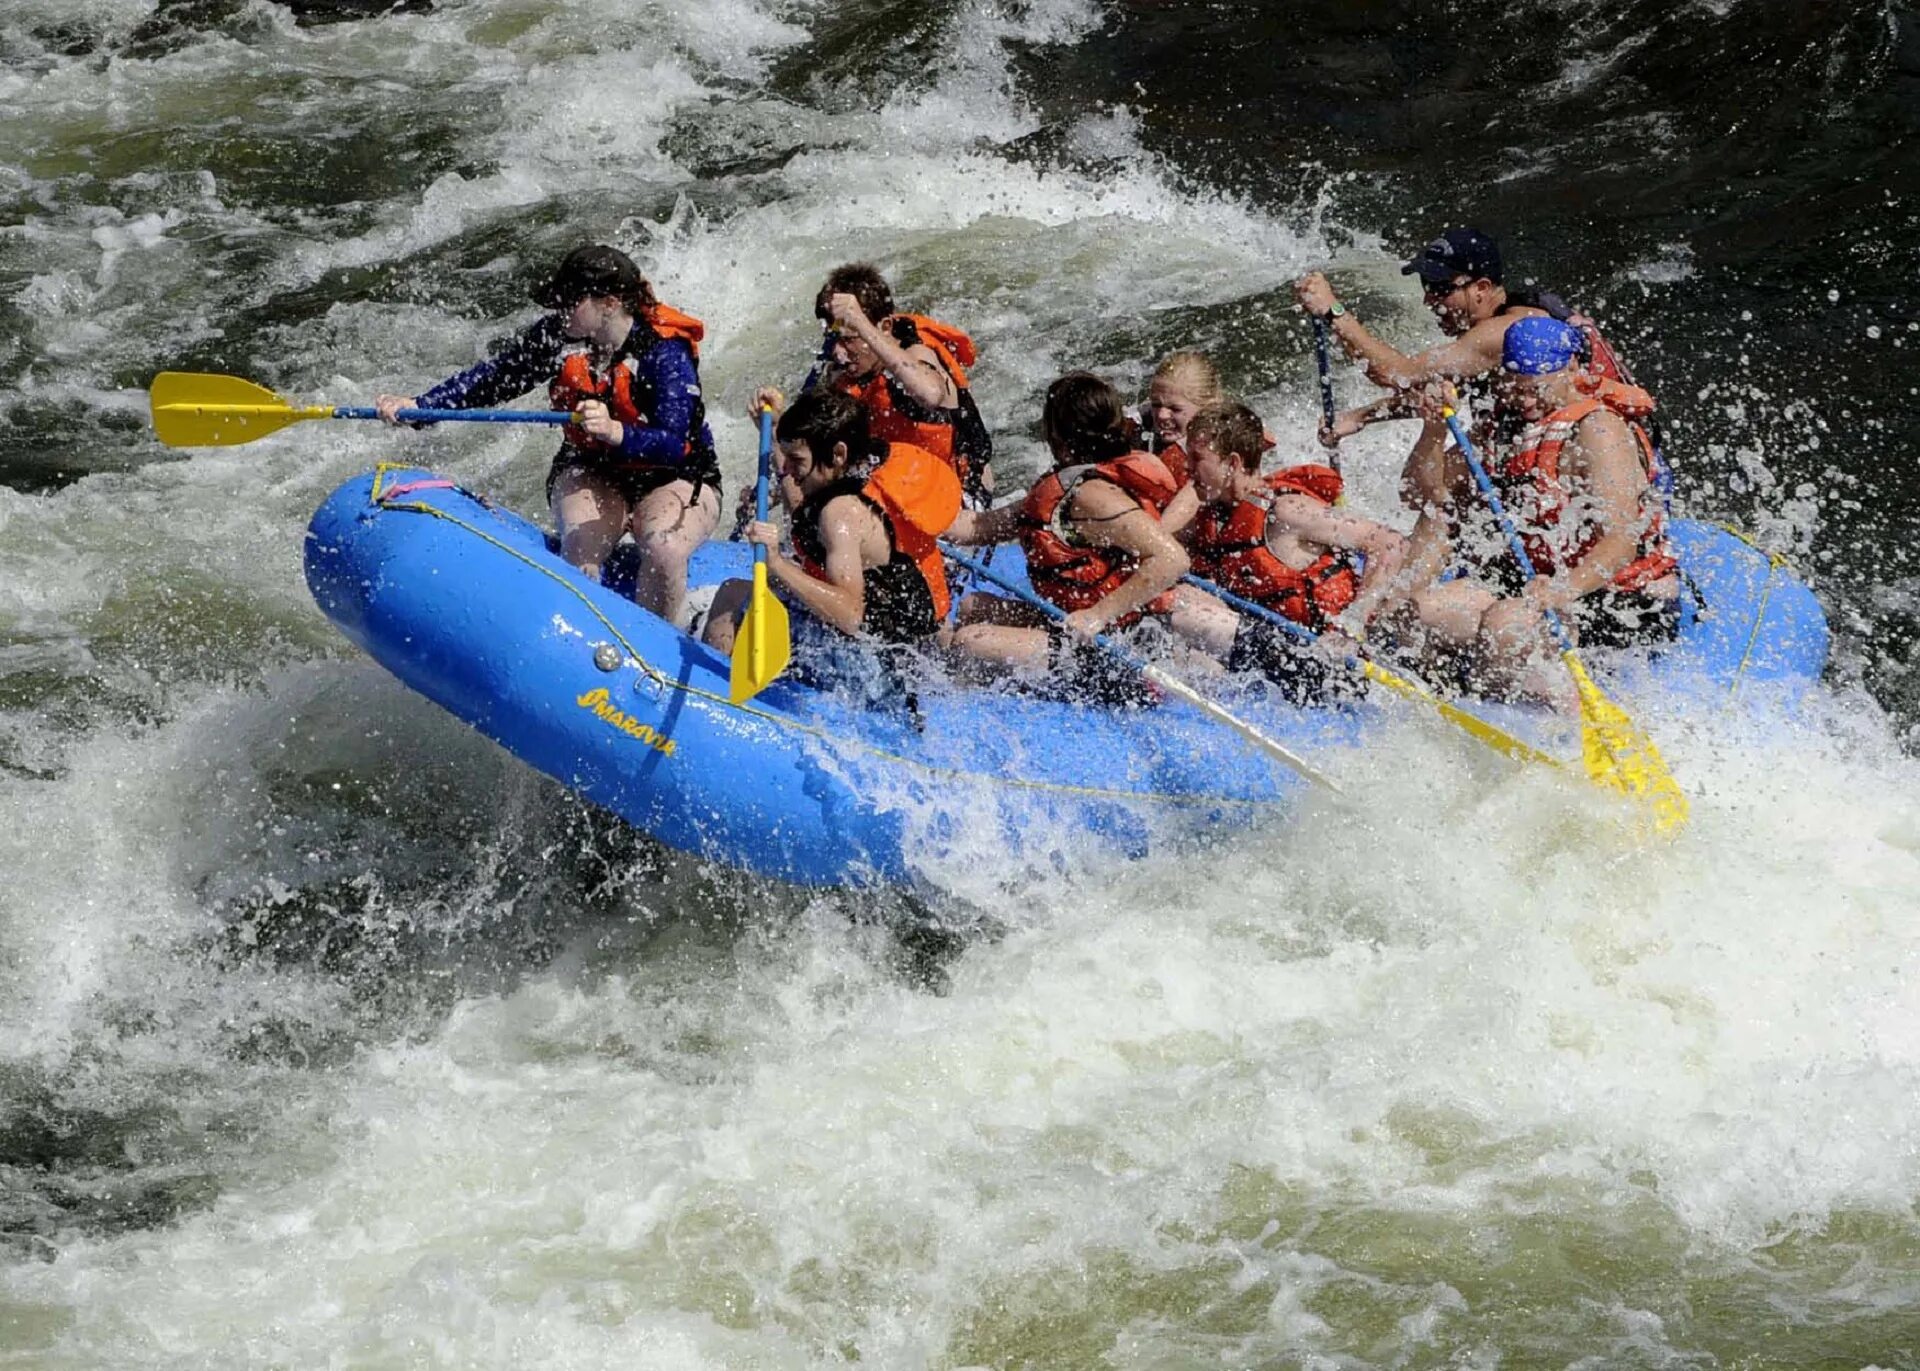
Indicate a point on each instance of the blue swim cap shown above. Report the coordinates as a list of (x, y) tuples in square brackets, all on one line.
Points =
[(1536, 345)]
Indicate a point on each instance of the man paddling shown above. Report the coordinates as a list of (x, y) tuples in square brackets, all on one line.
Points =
[(908, 369), (1579, 482), (1461, 276)]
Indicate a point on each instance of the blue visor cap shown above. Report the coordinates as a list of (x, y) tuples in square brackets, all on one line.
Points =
[(1537, 346)]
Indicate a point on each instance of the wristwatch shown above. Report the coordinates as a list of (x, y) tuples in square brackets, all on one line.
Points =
[(1334, 311)]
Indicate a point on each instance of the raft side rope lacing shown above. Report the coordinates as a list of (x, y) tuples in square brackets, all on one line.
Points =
[(1775, 564), (668, 682)]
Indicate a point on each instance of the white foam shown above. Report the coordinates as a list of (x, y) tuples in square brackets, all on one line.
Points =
[(1468, 1001)]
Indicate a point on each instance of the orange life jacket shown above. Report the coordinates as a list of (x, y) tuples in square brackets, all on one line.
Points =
[(887, 423), (1073, 575), (1530, 486), (576, 381), (1180, 466), (917, 496), (1229, 547)]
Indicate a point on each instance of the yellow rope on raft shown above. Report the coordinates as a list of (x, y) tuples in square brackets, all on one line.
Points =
[(1775, 563)]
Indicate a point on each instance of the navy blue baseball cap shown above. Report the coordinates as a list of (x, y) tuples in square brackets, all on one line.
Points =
[(1457, 252)]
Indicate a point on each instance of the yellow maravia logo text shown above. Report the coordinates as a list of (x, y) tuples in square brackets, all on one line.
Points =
[(602, 707)]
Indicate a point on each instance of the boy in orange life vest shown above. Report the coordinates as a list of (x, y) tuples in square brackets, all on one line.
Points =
[(638, 456), (1579, 485), (1095, 547), (1278, 540), (909, 370), (865, 518)]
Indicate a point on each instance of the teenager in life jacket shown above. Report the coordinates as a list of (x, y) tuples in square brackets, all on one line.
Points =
[(1578, 482), (908, 369), (1181, 386), (1095, 548), (638, 457), (865, 516), (1278, 539)]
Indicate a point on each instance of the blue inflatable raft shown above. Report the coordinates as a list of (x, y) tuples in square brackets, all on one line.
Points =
[(467, 604)]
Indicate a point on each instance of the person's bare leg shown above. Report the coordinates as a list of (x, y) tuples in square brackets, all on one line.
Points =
[(983, 651), (668, 524), (723, 619), (1200, 619), (591, 515), (1514, 658)]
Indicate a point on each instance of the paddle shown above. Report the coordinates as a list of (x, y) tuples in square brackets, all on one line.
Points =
[(195, 409), (1617, 754), (1497, 739), (764, 641), (1320, 330), (1172, 685)]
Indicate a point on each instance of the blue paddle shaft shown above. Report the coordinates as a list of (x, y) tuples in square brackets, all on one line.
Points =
[(766, 475), (1492, 497), (1278, 620), (469, 416), (1320, 329)]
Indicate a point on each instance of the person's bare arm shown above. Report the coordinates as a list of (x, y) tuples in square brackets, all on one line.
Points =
[(1398, 405), (841, 599), (1309, 519), (983, 527), (1106, 516), (1472, 354), (916, 369), (1180, 510), (1603, 461)]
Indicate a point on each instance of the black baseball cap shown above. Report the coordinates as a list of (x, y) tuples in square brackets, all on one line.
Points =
[(592, 270), (1457, 252)]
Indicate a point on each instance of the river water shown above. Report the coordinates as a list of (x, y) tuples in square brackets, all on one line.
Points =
[(330, 1036)]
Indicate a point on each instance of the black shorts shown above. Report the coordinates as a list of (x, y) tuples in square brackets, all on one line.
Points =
[(1086, 673), (899, 605), (634, 484), (1625, 618)]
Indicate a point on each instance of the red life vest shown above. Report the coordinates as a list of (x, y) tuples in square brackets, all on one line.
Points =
[(1229, 547), (1072, 575), (1179, 465), (576, 381), (887, 423), (918, 497), (1536, 497)]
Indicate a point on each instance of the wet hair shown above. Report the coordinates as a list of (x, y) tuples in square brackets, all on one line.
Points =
[(821, 418), (596, 270), (1086, 419), (861, 280), (1232, 430), (1194, 373)]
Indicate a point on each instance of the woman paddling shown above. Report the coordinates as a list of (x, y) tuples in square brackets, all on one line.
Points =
[(638, 457)]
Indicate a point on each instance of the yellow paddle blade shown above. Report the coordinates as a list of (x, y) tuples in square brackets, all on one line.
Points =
[(1497, 739), (197, 409), (1620, 756), (763, 644)]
